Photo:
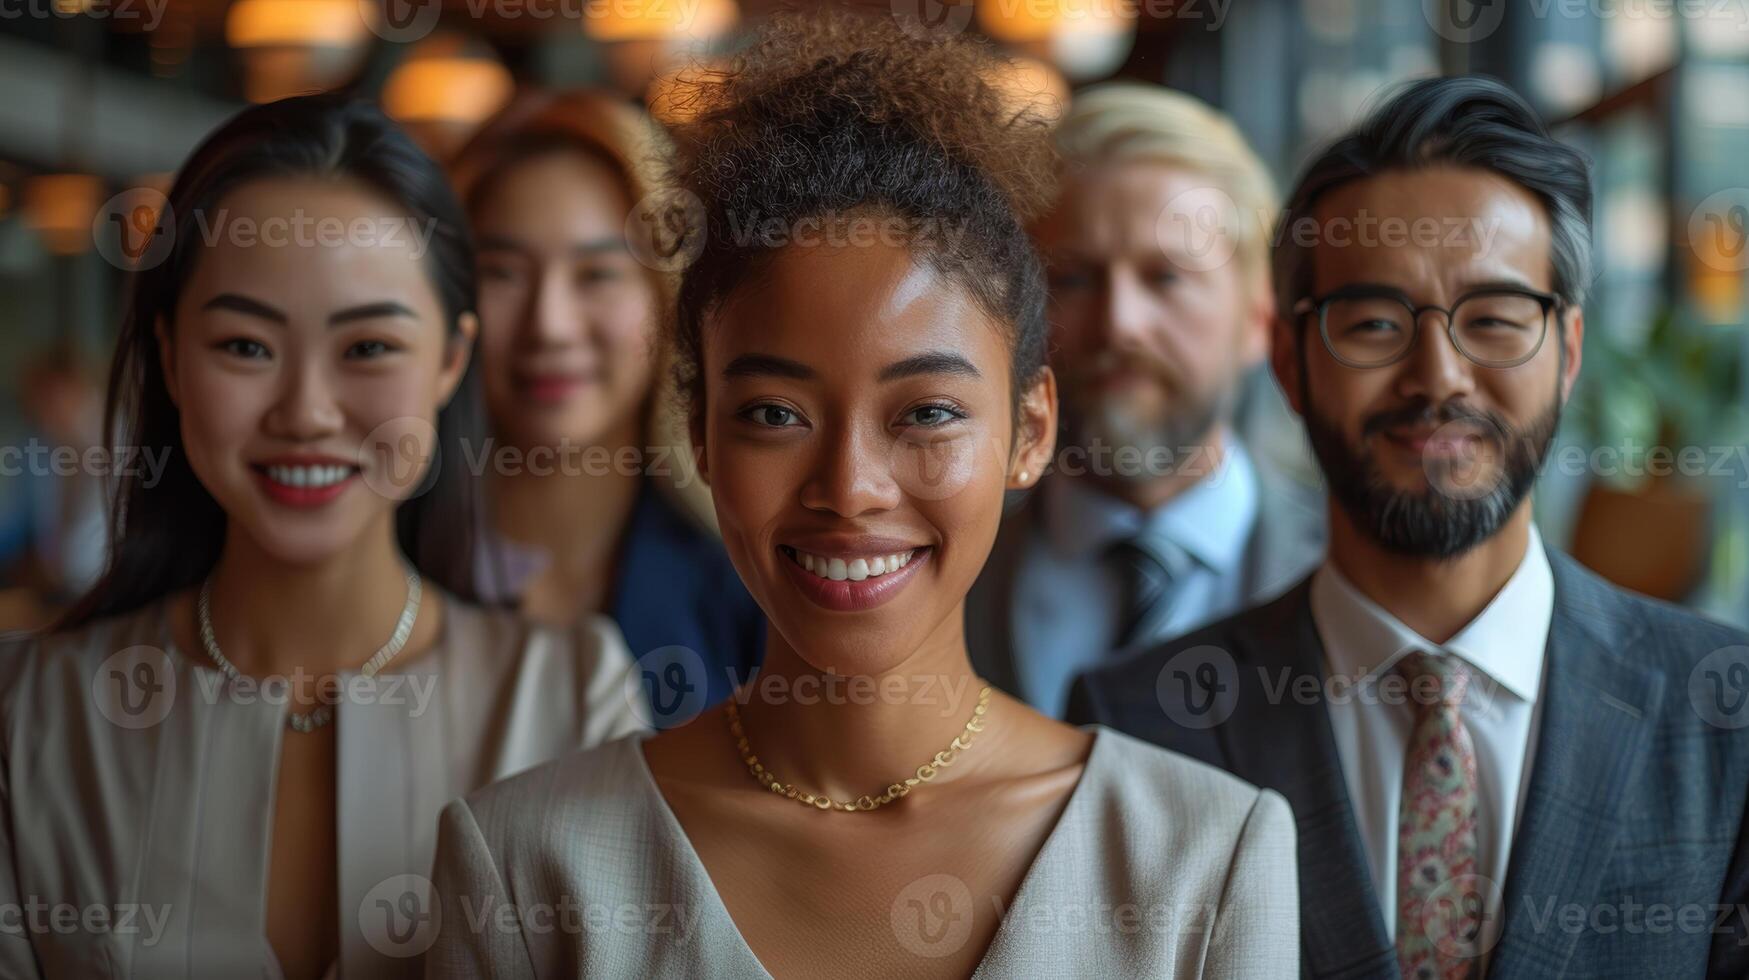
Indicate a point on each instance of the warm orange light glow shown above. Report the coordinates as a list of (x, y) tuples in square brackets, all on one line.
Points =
[(459, 89), (633, 20), (1030, 84), (268, 23), (61, 208)]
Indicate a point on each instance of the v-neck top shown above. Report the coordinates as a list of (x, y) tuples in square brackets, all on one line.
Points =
[(138, 785), (1159, 865)]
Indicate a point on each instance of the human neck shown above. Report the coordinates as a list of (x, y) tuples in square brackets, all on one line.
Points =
[(274, 618), (1146, 495), (575, 507), (846, 735), (1435, 598)]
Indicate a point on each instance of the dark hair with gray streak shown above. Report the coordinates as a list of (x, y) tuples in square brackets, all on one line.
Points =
[(1466, 122)]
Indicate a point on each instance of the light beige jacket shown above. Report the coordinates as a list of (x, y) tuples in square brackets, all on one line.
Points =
[(137, 788), (1160, 866)]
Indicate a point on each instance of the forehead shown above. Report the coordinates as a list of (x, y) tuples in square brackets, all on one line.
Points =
[(312, 245), (1429, 232), (1115, 207), (848, 309), (558, 188)]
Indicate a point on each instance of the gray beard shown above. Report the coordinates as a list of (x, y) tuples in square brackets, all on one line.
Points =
[(1179, 434)]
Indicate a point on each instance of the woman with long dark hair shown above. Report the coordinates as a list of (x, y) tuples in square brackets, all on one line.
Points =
[(591, 502), (240, 739), (867, 382)]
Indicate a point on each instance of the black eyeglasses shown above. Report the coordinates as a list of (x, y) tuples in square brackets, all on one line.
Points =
[(1368, 327)]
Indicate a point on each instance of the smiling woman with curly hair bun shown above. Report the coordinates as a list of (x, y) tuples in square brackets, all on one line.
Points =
[(861, 341)]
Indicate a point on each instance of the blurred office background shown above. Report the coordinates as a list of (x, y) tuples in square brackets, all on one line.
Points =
[(101, 99)]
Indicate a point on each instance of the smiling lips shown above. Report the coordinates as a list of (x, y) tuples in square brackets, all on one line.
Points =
[(852, 582), (305, 483)]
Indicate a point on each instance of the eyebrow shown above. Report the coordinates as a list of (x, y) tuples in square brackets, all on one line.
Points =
[(932, 362), (260, 310), (770, 366)]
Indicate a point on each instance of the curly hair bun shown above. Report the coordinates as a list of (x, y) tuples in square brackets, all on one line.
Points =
[(845, 91), (830, 115)]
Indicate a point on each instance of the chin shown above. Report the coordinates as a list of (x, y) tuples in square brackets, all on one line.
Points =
[(863, 650)]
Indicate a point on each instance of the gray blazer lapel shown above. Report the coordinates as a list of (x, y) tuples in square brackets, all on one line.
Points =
[(1288, 539), (1276, 740), (990, 604), (1598, 714)]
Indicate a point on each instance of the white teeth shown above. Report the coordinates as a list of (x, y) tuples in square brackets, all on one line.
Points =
[(308, 476), (854, 569)]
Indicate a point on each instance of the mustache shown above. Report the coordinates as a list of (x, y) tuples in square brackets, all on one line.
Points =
[(1425, 413)]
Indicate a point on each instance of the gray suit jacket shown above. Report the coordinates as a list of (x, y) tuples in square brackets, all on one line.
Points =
[(1286, 543), (1629, 858)]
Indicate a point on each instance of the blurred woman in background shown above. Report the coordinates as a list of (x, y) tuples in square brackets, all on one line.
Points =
[(245, 731), (584, 481)]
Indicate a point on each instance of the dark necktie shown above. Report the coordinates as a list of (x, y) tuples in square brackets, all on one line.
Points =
[(1148, 570)]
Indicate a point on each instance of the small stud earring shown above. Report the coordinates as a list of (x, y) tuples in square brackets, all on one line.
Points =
[(1023, 476)]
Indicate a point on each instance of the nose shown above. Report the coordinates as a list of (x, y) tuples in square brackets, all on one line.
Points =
[(1128, 313), (306, 409), (553, 315), (1435, 369), (851, 475)]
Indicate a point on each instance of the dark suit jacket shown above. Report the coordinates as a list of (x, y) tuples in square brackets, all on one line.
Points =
[(677, 591), (1286, 541), (1629, 857)]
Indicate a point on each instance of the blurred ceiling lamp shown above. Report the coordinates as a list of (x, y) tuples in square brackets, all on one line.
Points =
[(446, 88), (1086, 39), (290, 47), (1030, 84), (644, 40), (61, 208)]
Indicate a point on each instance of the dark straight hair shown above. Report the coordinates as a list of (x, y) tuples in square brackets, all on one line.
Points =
[(167, 535), (1460, 121)]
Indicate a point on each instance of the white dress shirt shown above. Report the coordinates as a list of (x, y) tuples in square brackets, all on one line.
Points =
[(1504, 647), (1068, 598)]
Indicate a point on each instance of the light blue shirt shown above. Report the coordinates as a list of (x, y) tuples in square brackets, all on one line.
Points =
[(1068, 598)]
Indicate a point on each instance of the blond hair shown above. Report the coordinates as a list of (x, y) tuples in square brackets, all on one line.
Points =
[(1127, 121)]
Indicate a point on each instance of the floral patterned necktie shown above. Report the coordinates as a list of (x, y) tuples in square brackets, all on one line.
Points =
[(1439, 906)]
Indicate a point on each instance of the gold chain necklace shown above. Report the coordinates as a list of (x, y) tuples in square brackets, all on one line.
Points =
[(925, 772)]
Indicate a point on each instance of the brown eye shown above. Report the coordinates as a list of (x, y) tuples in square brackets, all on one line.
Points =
[(774, 416)]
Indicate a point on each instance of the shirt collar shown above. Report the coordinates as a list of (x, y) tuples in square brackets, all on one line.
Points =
[(1506, 641), (1211, 520)]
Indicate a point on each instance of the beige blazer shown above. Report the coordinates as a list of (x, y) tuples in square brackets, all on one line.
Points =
[(1160, 866), (137, 788)]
